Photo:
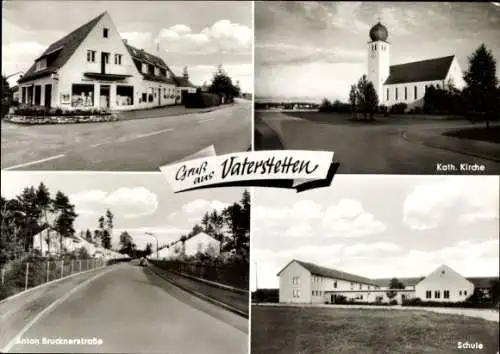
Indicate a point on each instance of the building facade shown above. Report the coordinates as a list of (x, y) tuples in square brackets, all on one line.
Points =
[(407, 82), (307, 283), (201, 243), (93, 68)]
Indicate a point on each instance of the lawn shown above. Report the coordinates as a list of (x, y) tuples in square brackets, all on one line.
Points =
[(290, 330), (491, 135)]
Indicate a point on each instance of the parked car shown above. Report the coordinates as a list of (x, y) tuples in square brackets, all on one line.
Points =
[(143, 262)]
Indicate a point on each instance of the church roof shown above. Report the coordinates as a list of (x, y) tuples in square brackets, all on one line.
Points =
[(61, 51), (418, 71)]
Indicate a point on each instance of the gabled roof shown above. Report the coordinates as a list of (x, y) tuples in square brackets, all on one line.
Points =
[(385, 282), (145, 57), (332, 273), (63, 49), (425, 70), (183, 82)]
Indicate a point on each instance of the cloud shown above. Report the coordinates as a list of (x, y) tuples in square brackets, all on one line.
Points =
[(431, 203), (127, 202), (18, 56), (223, 36), (306, 218), (201, 206), (362, 248), (138, 39)]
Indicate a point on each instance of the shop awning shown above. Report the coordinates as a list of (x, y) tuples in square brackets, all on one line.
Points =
[(110, 77)]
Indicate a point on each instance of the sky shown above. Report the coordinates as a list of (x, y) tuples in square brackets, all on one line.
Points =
[(379, 226), (318, 49), (199, 35), (140, 202)]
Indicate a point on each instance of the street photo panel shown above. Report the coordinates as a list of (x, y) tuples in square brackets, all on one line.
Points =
[(123, 85), (377, 264), (117, 263), (390, 87)]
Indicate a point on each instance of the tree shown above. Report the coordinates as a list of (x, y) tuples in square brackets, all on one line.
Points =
[(481, 91), (107, 229), (494, 292), (237, 219), (45, 204), (126, 243), (148, 250), (65, 217), (394, 284), (353, 99), (88, 235), (366, 97), (222, 84), (32, 212), (6, 96), (325, 106)]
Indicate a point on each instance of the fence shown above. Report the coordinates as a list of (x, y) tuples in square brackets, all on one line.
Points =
[(21, 276), (235, 275)]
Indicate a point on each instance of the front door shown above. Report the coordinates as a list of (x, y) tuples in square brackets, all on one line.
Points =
[(48, 95), (104, 96)]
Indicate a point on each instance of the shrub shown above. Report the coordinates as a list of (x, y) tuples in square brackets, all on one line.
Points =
[(266, 295), (201, 100), (393, 302), (467, 304), (39, 111), (399, 108)]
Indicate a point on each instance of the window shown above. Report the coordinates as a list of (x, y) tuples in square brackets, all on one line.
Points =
[(460, 293), (387, 94), (82, 95), (465, 292), (375, 47), (105, 57), (396, 93), (164, 92), (415, 92), (437, 294), (41, 64), (91, 56), (124, 95), (428, 294), (446, 294), (144, 68), (360, 286), (313, 293), (118, 59), (295, 280), (296, 292), (335, 284), (406, 93), (150, 94), (105, 33), (144, 97)]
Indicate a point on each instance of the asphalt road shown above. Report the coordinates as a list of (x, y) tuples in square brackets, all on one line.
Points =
[(142, 144), (369, 149), (133, 310)]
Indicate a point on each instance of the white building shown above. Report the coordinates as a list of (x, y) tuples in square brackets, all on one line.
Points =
[(303, 282), (444, 285), (48, 242), (203, 243), (93, 68), (407, 82)]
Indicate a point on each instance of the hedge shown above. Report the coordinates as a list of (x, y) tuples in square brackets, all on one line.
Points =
[(201, 100), (29, 111), (418, 302)]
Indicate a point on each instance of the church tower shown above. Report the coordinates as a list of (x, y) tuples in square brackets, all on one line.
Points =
[(378, 59)]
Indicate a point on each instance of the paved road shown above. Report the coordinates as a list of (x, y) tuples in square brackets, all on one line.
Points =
[(134, 311), (371, 149), (130, 145)]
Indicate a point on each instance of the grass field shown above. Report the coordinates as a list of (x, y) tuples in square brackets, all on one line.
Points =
[(491, 135), (291, 330)]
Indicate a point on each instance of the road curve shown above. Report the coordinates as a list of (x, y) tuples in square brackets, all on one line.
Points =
[(133, 310), (142, 144)]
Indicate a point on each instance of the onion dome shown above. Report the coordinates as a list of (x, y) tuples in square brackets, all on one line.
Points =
[(379, 32)]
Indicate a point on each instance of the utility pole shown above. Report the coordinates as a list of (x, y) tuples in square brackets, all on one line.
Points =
[(156, 239)]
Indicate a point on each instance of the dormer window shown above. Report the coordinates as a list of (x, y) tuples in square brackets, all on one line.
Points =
[(157, 71), (144, 67), (41, 64), (105, 32)]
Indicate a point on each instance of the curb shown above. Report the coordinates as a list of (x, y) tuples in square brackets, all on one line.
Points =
[(436, 146), (202, 296), (213, 283), (48, 283)]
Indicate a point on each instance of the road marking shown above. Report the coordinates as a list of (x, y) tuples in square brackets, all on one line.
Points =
[(153, 133), (34, 162), (48, 309), (205, 120)]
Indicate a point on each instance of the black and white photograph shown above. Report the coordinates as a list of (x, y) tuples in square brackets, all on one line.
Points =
[(124, 85), (377, 264), (390, 87), (117, 263)]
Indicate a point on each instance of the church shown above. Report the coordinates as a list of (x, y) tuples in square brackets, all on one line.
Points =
[(407, 83)]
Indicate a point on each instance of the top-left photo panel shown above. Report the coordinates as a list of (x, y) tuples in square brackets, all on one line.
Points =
[(124, 86)]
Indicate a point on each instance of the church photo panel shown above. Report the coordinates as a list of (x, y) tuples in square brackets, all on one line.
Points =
[(388, 93)]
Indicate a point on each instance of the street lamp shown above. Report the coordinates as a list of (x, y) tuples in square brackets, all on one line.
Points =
[(153, 236)]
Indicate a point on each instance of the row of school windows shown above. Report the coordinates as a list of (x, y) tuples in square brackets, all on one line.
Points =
[(319, 280), (446, 294), (406, 92)]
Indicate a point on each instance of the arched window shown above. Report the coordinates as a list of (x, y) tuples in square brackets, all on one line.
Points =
[(387, 94), (415, 91), (375, 47), (406, 93), (396, 94)]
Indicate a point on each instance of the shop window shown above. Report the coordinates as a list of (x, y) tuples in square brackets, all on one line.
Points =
[(82, 95), (124, 95)]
